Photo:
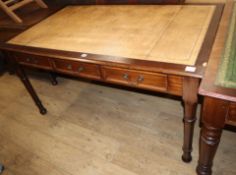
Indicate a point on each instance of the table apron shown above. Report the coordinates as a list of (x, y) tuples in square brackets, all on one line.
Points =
[(160, 82)]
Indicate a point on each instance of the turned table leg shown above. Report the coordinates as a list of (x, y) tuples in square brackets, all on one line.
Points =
[(21, 73), (190, 99), (53, 78), (214, 112)]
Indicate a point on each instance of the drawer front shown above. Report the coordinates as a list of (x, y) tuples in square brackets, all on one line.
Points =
[(152, 81), (78, 68), (232, 114), (34, 61)]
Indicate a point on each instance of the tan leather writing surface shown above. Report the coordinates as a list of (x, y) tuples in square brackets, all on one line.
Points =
[(172, 34)]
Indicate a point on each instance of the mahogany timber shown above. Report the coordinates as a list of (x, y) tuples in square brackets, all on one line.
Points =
[(138, 73), (213, 119), (219, 102), (21, 73), (231, 117), (145, 80), (77, 68), (190, 99)]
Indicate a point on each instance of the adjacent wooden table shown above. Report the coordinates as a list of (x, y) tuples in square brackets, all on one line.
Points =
[(219, 90), (162, 48)]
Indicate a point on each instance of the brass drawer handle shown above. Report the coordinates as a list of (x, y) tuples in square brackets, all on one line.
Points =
[(126, 76), (69, 66), (140, 79), (80, 69)]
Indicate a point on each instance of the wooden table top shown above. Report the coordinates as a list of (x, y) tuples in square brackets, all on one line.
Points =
[(220, 78), (163, 33)]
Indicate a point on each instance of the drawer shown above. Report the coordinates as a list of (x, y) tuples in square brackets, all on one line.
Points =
[(232, 113), (78, 68), (146, 80), (34, 61)]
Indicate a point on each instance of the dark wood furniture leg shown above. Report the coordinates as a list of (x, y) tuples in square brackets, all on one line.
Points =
[(53, 78), (10, 67), (214, 112), (190, 99), (1, 168), (9, 63), (21, 73)]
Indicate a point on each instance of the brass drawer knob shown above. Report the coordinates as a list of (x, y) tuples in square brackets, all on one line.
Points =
[(140, 79), (28, 59), (80, 69), (69, 66), (126, 76)]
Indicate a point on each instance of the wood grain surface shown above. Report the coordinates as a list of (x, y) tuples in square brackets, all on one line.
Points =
[(172, 34)]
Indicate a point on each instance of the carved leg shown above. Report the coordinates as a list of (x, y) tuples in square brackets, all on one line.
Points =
[(21, 73), (190, 98), (214, 112), (53, 78)]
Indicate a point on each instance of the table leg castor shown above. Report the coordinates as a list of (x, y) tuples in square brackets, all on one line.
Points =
[(43, 111), (53, 78)]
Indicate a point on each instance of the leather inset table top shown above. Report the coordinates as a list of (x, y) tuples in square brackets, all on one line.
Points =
[(165, 33), (227, 71)]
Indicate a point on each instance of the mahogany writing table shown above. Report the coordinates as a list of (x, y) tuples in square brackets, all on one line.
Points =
[(219, 90), (162, 48)]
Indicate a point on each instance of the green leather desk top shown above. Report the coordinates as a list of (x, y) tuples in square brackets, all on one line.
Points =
[(227, 71)]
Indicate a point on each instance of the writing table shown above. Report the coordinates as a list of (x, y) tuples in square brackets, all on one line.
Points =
[(219, 90), (162, 48)]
